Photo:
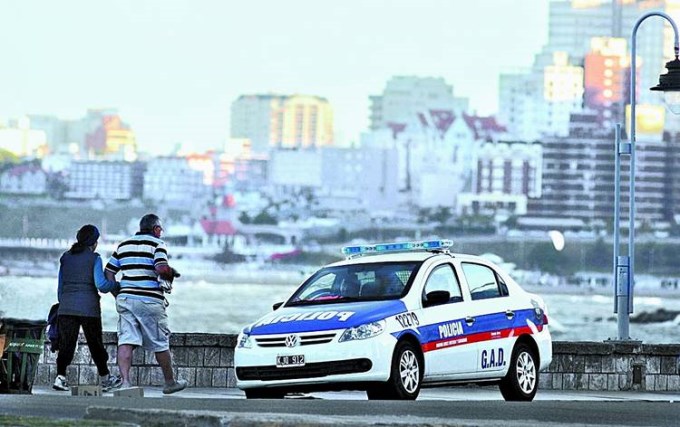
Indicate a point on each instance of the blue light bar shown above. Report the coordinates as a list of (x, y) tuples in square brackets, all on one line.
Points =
[(396, 247)]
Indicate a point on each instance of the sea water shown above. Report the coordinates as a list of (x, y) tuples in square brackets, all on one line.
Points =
[(201, 306)]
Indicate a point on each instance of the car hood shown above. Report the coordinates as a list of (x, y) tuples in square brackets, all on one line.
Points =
[(324, 317)]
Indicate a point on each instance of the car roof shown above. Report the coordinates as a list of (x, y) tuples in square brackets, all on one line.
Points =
[(413, 256)]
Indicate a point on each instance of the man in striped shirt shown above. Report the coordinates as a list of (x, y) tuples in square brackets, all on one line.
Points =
[(143, 260)]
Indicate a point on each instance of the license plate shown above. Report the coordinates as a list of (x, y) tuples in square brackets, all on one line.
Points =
[(288, 361)]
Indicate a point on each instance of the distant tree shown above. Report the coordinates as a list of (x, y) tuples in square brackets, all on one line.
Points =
[(599, 256), (228, 256), (264, 217), (544, 257), (424, 215), (442, 215), (56, 186), (244, 218), (511, 222), (8, 157)]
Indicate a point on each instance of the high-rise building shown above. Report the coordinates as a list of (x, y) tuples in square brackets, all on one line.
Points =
[(589, 33), (519, 102), (109, 136), (572, 25), (540, 102), (562, 94), (282, 121), (607, 68), (406, 96), (101, 133), (578, 173)]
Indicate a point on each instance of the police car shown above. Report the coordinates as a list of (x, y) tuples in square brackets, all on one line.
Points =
[(393, 318)]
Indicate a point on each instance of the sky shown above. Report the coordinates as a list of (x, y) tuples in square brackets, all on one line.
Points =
[(172, 68)]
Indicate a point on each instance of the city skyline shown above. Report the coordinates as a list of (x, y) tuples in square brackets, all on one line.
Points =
[(173, 69)]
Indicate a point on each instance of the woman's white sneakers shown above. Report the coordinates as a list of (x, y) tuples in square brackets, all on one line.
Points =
[(61, 383)]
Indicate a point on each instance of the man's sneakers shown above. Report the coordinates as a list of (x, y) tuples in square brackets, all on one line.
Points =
[(111, 383), (178, 385), (61, 383)]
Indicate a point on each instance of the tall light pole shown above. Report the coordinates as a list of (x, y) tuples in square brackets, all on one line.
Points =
[(669, 83)]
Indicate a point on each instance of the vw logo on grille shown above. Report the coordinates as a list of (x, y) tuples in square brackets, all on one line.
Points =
[(291, 340)]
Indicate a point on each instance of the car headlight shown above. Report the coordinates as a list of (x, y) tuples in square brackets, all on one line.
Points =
[(244, 340), (362, 332)]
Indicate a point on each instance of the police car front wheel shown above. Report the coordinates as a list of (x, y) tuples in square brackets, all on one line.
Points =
[(406, 375), (521, 382)]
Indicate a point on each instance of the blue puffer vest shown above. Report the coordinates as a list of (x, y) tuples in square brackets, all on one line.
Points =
[(79, 295)]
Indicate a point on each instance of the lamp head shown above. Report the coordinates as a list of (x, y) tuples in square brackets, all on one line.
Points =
[(669, 84)]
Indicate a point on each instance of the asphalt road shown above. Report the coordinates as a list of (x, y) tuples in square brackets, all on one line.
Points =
[(450, 407)]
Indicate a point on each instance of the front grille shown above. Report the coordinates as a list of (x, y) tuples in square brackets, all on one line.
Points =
[(310, 370), (305, 339)]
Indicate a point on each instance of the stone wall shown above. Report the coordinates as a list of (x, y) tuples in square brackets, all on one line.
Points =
[(204, 360), (207, 360), (613, 366)]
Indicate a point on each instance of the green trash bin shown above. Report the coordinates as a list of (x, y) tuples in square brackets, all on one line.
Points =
[(24, 343)]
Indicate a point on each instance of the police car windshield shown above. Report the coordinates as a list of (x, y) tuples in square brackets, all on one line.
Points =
[(356, 282)]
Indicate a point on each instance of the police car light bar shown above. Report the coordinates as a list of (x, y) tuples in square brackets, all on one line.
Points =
[(396, 247)]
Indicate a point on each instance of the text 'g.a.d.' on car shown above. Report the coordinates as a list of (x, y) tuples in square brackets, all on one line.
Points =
[(393, 318)]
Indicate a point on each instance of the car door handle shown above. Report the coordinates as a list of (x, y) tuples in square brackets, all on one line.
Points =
[(509, 314), (469, 320)]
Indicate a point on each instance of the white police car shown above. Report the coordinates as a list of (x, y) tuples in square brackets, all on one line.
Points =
[(396, 317)]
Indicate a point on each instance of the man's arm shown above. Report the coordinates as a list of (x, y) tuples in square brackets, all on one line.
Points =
[(160, 263), (165, 271)]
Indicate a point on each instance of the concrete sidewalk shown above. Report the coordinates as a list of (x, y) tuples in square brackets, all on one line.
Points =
[(463, 393)]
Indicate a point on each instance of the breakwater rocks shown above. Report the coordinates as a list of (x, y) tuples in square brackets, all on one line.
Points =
[(207, 360), (658, 316)]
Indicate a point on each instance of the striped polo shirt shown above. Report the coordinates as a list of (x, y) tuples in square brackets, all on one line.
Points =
[(137, 258)]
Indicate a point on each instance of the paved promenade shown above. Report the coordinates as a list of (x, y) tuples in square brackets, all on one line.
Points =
[(463, 406)]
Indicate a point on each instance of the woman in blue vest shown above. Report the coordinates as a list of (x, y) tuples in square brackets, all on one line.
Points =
[(81, 278)]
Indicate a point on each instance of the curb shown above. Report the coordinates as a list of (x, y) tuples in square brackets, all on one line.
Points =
[(159, 417)]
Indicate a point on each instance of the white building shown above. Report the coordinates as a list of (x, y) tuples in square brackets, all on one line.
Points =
[(507, 174), (437, 152), (348, 179), (106, 180), (406, 96), (295, 168), (23, 179), (170, 179)]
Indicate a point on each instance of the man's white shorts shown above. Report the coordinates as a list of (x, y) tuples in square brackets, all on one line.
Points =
[(142, 323)]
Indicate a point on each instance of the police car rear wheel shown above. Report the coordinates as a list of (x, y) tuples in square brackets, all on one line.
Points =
[(521, 382), (263, 393), (406, 375)]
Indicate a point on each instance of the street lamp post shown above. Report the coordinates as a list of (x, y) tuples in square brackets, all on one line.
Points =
[(669, 83)]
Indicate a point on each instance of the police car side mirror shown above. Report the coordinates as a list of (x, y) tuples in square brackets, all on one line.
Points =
[(436, 298), (277, 305)]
